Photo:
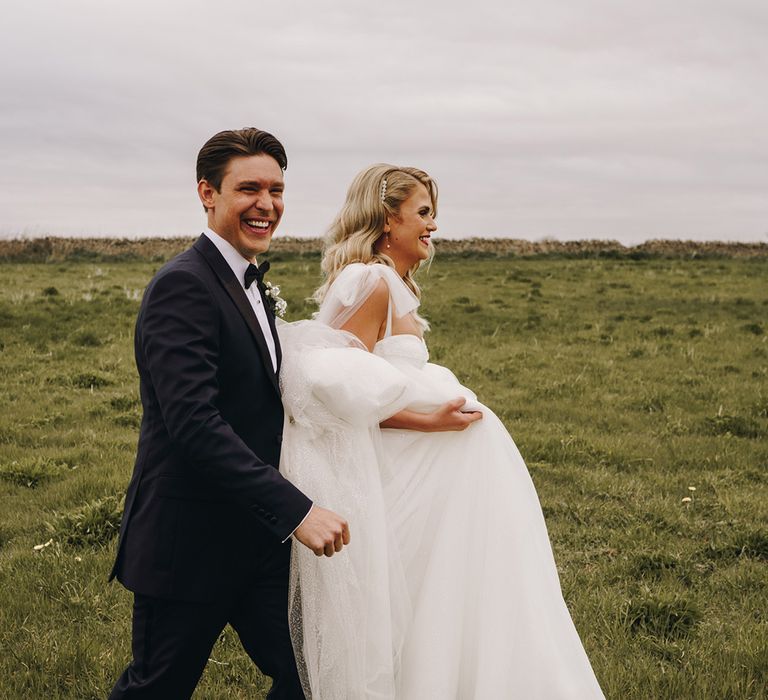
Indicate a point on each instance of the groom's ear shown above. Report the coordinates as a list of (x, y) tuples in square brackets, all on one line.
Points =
[(207, 193)]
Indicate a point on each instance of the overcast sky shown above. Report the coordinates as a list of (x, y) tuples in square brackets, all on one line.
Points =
[(568, 119)]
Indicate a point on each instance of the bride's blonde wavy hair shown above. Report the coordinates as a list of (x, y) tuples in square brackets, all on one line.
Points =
[(359, 225)]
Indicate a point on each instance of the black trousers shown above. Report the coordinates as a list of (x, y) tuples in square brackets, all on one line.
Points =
[(172, 640)]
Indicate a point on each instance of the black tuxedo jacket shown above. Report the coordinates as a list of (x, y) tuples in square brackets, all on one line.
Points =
[(206, 502)]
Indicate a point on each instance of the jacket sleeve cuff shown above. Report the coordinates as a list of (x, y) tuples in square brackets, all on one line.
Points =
[(300, 524)]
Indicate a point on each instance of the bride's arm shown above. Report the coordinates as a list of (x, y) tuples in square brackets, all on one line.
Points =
[(368, 324), (448, 417), (369, 321)]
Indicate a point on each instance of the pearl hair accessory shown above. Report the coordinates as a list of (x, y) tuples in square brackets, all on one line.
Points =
[(383, 190)]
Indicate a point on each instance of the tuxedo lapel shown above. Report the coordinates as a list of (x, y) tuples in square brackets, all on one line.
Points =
[(236, 292), (273, 328)]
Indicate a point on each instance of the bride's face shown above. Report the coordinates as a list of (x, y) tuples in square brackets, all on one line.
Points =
[(410, 230)]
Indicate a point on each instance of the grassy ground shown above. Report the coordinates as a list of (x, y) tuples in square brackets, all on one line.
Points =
[(626, 384)]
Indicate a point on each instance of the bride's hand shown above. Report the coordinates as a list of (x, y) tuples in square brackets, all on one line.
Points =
[(448, 417)]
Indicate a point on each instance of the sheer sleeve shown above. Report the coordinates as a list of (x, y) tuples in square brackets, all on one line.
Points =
[(354, 284), (335, 392), (329, 378)]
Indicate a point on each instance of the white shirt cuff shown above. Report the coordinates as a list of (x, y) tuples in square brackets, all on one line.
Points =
[(300, 524)]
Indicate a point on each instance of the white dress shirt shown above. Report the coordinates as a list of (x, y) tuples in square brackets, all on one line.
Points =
[(239, 265)]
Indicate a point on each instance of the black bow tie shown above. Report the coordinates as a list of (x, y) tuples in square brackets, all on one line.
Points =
[(255, 273)]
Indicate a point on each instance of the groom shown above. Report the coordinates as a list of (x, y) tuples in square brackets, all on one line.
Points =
[(205, 535)]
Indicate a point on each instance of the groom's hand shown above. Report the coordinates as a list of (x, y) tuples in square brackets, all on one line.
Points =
[(323, 532)]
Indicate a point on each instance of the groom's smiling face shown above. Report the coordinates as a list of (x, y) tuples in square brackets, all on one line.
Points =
[(249, 205)]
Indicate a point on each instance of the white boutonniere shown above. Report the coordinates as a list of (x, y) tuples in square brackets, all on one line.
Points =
[(276, 304)]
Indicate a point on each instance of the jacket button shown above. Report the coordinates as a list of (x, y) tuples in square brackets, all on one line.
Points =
[(273, 519)]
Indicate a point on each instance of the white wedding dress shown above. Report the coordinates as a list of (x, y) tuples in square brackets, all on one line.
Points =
[(448, 589)]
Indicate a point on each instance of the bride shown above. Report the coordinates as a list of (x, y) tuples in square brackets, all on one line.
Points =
[(448, 589)]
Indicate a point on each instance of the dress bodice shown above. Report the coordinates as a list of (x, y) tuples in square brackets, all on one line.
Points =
[(403, 348)]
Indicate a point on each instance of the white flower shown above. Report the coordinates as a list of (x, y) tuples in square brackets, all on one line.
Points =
[(278, 305)]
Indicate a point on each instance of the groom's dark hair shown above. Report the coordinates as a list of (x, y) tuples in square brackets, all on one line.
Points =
[(218, 150)]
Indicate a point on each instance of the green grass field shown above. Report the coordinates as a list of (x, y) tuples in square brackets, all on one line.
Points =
[(636, 390)]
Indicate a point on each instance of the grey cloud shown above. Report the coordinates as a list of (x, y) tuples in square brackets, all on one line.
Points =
[(597, 118)]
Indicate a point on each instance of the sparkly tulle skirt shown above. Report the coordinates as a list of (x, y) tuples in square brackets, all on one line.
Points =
[(449, 588)]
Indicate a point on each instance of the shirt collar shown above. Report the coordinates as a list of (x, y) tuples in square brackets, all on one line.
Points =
[(237, 263)]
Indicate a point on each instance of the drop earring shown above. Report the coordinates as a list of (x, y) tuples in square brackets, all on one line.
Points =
[(387, 240)]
